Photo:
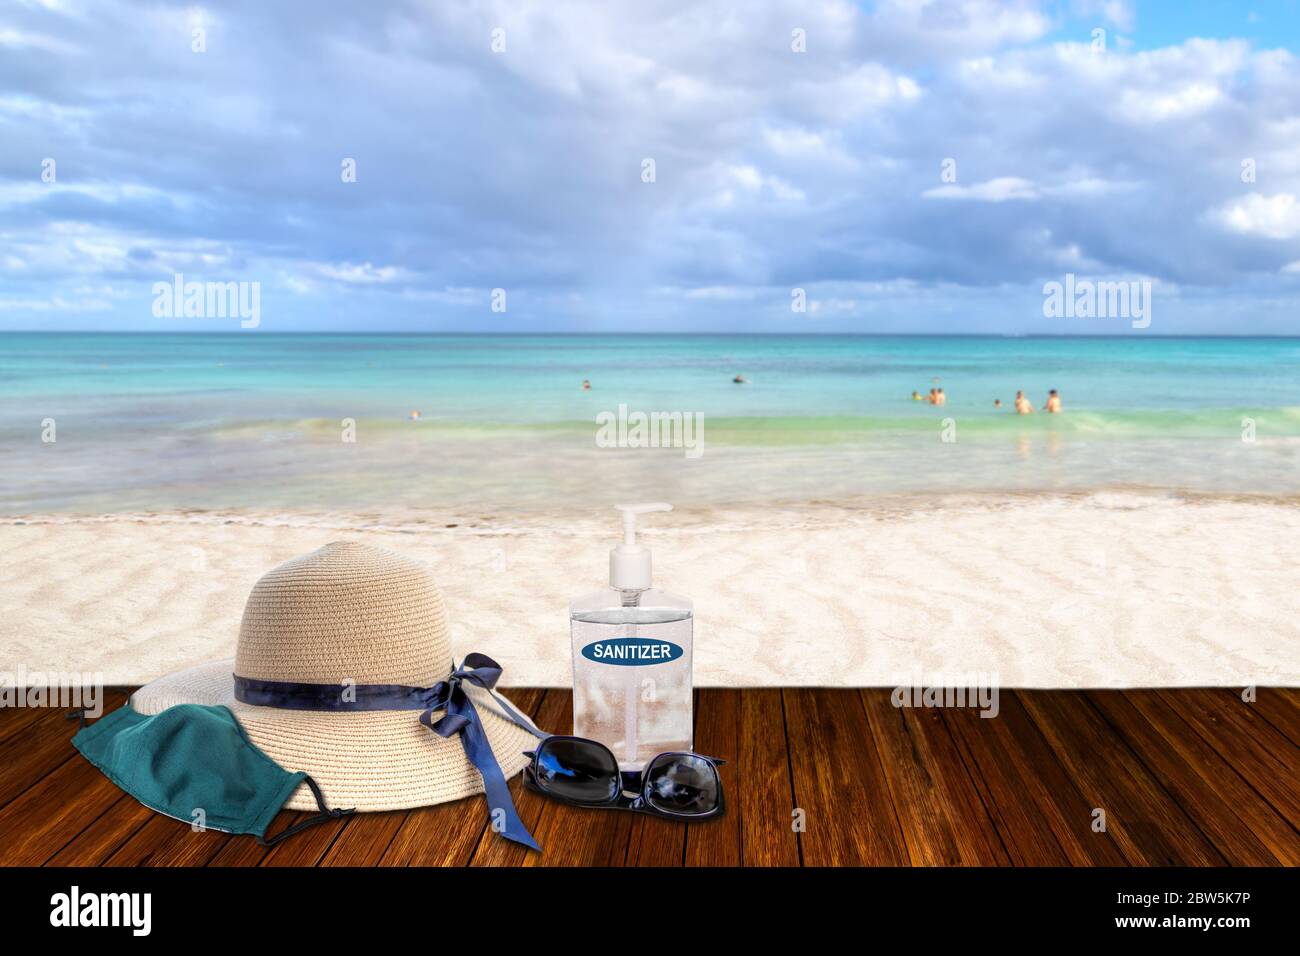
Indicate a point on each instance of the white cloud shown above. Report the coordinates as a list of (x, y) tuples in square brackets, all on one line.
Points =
[(722, 293), (1116, 13), (1188, 100), (992, 71), (746, 180), (1086, 186), (775, 169), (994, 190), (868, 87), (795, 142), (1273, 217), (961, 24), (14, 193), (17, 40), (54, 303), (359, 273)]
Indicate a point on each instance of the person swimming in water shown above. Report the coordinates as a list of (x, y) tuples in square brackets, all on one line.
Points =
[(1053, 402), (939, 397), (586, 385), (740, 380), (1023, 405), (997, 403), (415, 415), (918, 397)]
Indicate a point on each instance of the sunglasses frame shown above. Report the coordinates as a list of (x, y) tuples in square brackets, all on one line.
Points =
[(622, 800)]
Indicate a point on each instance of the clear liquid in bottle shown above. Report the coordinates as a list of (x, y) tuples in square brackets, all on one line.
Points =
[(632, 685)]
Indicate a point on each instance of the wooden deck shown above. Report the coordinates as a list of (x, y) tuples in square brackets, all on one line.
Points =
[(1193, 777)]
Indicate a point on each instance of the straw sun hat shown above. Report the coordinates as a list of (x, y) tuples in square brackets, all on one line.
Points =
[(348, 612)]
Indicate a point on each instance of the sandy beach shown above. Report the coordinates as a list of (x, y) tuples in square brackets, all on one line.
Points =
[(1103, 589)]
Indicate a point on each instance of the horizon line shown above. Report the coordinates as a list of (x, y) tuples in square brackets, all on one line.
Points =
[(637, 334)]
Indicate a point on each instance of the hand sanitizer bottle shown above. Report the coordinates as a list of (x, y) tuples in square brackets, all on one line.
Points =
[(632, 687)]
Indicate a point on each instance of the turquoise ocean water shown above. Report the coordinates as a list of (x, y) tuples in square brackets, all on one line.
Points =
[(149, 422)]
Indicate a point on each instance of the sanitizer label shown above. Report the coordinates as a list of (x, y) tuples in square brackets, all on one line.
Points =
[(632, 651)]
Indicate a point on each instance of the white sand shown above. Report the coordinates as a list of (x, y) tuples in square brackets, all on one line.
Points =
[(1105, 590)]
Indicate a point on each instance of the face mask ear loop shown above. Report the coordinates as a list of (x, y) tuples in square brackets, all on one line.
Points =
[(325, 814)]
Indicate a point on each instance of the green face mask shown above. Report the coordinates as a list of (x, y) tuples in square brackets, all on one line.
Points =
[(196, 764)]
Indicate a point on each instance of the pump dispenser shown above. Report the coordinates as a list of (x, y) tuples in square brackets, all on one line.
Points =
[(629, 562), (632, 687)]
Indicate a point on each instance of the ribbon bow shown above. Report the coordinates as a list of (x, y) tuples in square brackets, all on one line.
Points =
[(448, 696), (460, 717)]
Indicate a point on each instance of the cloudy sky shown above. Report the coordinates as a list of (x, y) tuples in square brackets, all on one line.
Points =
[(913, 166)]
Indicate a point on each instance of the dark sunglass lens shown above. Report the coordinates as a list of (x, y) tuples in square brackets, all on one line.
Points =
[(579, 770), (683, 783)]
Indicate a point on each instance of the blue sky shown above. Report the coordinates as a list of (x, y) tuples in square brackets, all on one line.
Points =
[(523, 168)]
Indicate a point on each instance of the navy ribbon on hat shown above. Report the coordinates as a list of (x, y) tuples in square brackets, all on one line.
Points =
[(460, 718)]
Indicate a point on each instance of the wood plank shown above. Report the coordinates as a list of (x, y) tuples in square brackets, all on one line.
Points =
[(242, 849), (365, 840), (1186, 776), (43, 745), (1255, 748), (163, 841), (576, 836), (655, 841), (47, 815), (131, 834), (444, 835), (569, 836), (1245, 829), (15, 721), (763, 784), (943, 819), (839, 783), (1040, 816), (718, 842), (1149, 825), (1275, 706), (122, 831), (449, 834), (308, 847), (104, 836)]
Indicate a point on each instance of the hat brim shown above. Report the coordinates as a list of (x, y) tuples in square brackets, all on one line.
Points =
[(370, 760)]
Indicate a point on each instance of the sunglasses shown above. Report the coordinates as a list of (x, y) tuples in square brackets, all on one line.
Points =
[(678, 785)]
